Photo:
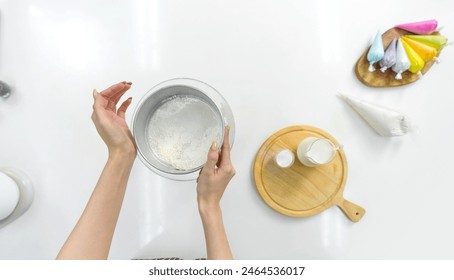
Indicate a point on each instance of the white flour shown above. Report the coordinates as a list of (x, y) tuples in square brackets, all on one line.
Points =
[(181, 130)]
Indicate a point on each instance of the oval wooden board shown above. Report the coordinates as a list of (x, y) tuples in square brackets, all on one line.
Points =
[(387, 79), (300, 191)]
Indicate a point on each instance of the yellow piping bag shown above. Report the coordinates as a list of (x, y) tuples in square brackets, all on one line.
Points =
[(415, 60)]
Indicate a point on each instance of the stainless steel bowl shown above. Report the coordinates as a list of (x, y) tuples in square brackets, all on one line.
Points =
[(183, 124)]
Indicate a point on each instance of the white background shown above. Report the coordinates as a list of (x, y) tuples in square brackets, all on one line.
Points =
[(277, 63)]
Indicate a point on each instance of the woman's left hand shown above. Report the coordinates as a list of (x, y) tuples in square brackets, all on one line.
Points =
[(110, 121)]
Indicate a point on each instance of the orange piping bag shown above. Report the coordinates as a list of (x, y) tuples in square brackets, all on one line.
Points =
[(425, 52)]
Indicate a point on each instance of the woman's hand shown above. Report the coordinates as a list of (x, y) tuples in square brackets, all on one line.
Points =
[(211, 184), (92, 236), (215, 175), (110, 122)]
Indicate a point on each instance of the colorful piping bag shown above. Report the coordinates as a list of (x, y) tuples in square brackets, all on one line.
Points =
[(376, 52), (402, 61), (420, 27), (436, 41), (425, 52), (389, 59), (415, 60)]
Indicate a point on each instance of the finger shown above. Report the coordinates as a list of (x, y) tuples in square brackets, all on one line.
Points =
[(124, 106), (225, 150), (111, 91), (113, 101), (117, 96), (212, 158)]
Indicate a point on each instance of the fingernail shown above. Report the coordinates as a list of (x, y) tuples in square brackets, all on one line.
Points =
[(228, 127), (95, 93), (214, 146), (129, 83), (124, 82), (130, 99)]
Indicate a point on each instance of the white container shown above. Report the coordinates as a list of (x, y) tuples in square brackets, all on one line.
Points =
[(16, 195), (9, 196), (313, 151), (285, 158)]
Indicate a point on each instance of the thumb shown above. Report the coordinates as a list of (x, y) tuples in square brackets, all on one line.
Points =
[(212, 158), (95, 94)]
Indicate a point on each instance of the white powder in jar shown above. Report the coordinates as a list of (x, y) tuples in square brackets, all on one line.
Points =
[(181, 130)]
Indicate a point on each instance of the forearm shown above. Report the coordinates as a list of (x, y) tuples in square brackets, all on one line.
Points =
[(92, 236), (215, 236)]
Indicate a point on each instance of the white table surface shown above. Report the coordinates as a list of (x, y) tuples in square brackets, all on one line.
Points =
[(278, 63)]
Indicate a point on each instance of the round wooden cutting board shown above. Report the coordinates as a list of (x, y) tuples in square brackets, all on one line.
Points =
[(386, 79), (300, 191)]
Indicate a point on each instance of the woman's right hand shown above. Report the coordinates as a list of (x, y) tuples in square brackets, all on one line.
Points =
[(211, 184), (215, 175)]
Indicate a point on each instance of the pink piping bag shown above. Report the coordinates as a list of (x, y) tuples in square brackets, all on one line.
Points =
[(389, 59), (376, 52), (420, 27), (402, 61)]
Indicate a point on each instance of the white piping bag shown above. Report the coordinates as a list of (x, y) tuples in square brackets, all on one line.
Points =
[(384, 121), (402, 61)]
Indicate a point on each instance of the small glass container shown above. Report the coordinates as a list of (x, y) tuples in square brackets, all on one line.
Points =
[(285, 158)]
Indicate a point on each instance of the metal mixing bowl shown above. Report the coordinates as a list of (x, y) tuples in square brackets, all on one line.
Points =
[(160, 95)]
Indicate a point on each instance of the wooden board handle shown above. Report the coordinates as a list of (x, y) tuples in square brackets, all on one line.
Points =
[(354, 212)]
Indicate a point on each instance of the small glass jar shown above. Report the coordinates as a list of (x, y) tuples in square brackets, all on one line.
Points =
[(284, 158)]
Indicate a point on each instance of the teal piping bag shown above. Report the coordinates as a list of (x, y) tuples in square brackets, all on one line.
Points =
[(376, 52), (402, 61), (389, 59)]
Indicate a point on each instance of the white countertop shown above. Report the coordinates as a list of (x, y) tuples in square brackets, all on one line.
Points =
[(277, 63)]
